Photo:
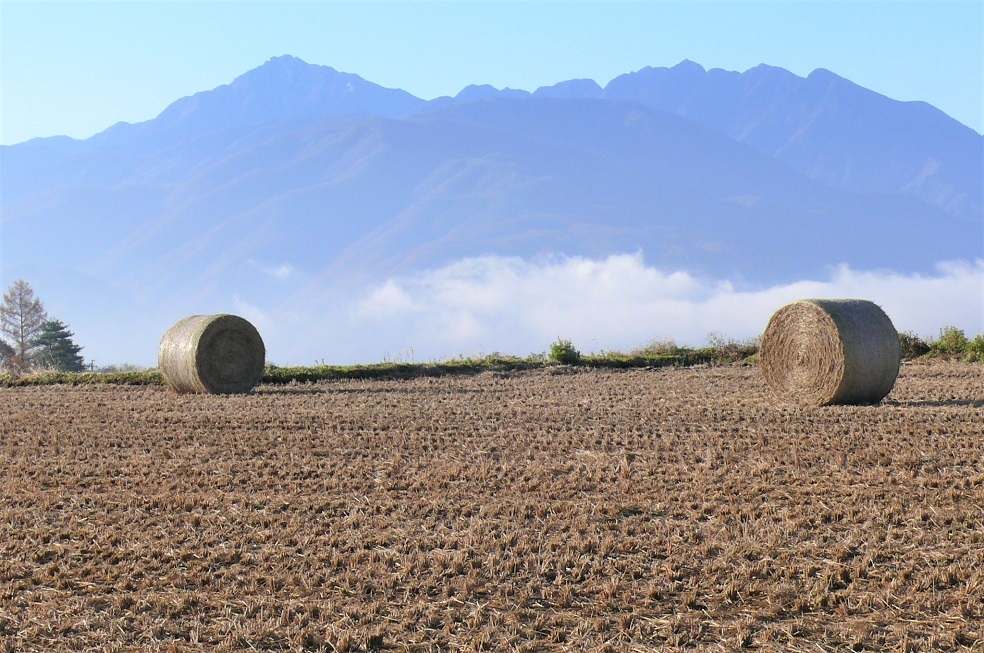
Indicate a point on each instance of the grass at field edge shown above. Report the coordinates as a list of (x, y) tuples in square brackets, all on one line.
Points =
[(277, 375)]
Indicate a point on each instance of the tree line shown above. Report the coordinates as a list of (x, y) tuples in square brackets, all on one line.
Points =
[(30, 339)]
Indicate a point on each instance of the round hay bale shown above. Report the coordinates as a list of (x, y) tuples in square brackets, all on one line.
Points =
[(215, 354), (830, 351)]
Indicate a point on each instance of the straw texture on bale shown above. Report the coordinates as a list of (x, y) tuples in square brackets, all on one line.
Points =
[(830, 351), (214, 354)]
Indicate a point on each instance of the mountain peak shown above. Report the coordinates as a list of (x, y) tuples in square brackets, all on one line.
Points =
[(572, 88), (289, 70), (475, 92), (285, 88), (689, 66), (823, 74), (288, 64), (286, 60)]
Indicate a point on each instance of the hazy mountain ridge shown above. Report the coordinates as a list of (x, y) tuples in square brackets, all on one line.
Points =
[(509, 176), (824, 126), (295, 183)]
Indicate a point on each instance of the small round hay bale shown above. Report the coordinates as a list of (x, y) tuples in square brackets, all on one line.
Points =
[(215, 354), (830, 351)]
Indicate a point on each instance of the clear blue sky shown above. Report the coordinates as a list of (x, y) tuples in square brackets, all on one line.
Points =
[(77, 67)]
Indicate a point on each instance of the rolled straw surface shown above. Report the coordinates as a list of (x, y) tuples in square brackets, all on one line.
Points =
[(830, 351), (215, 354)]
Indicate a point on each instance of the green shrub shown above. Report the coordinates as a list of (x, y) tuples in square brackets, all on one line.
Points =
[(659, 347), (975, 350), (912, 346), (952, 342), (562, 351)]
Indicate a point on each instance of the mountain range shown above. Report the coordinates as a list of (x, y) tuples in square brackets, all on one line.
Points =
[(757, 177)]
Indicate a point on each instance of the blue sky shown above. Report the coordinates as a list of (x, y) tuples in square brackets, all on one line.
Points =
[(77, 67)]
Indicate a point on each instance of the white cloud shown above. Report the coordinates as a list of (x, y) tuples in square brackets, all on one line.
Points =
[(281, 272), (491, 303), (386, 300), (513, 306), (277, 328)]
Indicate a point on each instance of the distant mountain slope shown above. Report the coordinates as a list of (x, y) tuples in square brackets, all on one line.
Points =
[(827, 127), (369, 195), (302, 168), (284, 88), (824, 126), (296, 188)]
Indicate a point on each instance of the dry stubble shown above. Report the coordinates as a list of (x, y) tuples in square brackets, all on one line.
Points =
[(537, 511)]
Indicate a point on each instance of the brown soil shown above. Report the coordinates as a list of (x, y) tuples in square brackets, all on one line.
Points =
[(552, 510)]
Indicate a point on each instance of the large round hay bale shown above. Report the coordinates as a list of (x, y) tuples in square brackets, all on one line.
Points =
[(830, 351), (215, 354)]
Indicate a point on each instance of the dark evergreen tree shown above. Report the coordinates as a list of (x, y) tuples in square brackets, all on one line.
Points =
[(55, 349)]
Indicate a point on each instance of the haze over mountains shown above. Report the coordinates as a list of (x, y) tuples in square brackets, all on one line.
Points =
[(297, 185)]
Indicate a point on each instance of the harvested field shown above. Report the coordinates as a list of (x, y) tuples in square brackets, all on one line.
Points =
[(549, 510)]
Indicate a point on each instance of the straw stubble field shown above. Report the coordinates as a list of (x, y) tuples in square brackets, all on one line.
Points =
[(535, 511)]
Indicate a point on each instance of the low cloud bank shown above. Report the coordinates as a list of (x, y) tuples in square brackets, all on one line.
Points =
[(492, 304), (512, 306)]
